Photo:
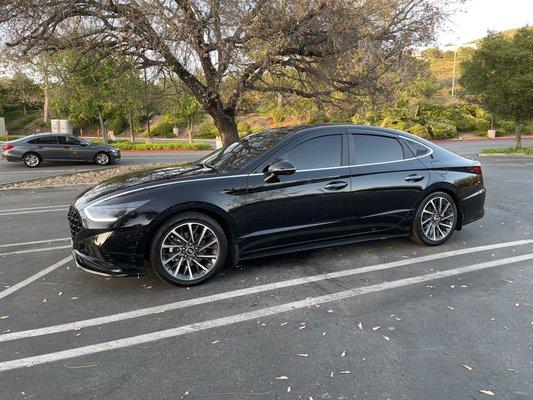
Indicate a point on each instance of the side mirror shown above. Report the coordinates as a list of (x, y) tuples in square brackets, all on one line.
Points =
[(282, 167)]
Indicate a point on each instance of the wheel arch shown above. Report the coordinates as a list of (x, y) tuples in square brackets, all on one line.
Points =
[(225, 220), (449, 189), (31, 152)]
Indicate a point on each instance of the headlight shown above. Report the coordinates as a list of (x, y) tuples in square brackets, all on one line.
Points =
[(109, 213)]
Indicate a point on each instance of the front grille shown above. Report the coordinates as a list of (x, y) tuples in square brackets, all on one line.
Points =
[(74, 221)]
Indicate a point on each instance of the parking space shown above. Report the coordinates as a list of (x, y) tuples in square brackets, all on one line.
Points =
[(381, 320)]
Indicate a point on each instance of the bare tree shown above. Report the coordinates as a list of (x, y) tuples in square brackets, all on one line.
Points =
[(222, 49)]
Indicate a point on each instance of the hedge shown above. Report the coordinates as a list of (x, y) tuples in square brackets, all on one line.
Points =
[(124, 145)]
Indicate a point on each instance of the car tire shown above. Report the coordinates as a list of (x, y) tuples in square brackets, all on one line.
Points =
[(435, 219), (31, 160), (180, 261), (102, 158)]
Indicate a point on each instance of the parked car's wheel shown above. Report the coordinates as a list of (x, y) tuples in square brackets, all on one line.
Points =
[(188, 249), (435, 220), (102, 158), (31, 160)]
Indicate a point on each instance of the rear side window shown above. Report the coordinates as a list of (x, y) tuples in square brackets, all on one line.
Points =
[(418, 149), (321, 152), (370, 149), (44, 140)]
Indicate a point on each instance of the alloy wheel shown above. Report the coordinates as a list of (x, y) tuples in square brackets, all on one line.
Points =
[(189, 251), (102, 158), (31, 160), (437, 219)]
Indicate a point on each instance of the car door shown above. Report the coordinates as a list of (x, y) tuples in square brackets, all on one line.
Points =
[(74, 149), (47, 147), (386, 181), (309, 205)]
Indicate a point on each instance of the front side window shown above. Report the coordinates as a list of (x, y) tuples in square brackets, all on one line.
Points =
[(371, 149), (233, 157), (72, 141), (321, 152)]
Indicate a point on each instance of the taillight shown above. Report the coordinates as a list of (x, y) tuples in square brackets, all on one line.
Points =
[(476, 169), (7, 147)]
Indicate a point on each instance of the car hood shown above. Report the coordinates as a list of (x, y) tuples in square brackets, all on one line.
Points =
[(140, 179)]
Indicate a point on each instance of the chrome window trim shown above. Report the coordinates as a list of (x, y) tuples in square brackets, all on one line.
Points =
[(260, 173)]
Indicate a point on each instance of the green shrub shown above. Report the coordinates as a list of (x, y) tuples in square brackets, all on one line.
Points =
[(164, 129), (419, 130), (244, 128), (481, 125), (116, 124), (441, 130), (207, 130), (507, 126), (276, 114), (125, 145)]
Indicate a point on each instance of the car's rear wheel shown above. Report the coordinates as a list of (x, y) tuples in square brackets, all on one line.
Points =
[(435, 220), (188, 249), (31, 160), (102, 158)]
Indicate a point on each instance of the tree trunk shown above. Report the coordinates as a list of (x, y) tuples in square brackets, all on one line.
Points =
[(227, 127), (103, 128), (189, 128), (132, 135), (24, 111), (46, 96), (518, 132)]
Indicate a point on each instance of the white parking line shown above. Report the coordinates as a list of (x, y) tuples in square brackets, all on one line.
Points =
[(32, 278), (233, 319), (243, 292), (33, 208), (33, 212), (35, 250), (35, 242)]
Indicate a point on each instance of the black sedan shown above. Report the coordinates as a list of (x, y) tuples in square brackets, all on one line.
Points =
[(273, 192), (34, 149)]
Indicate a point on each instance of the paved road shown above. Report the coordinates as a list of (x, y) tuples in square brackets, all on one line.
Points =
[(472, 148), (13, 172), (445, 337)]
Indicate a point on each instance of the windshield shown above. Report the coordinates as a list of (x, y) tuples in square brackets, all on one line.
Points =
[(233, 157)]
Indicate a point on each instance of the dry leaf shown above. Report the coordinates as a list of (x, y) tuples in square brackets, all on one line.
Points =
[(302, 327), (468, 367), (360, 325), (386, 337), (215, 342), (282, 378), (303, 354), (331, 374), (343, 354), (451, 308), (345, 372), (289, 389), (375, 328), (60, 294), (487, 392), (284, 323), (4, 316)]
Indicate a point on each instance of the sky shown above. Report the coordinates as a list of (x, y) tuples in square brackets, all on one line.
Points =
[(476, 17)]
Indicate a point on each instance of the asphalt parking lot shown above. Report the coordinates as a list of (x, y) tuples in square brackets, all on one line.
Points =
[(381, 320), (14, 172)]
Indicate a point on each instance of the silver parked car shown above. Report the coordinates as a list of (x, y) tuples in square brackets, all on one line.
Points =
[(34, 149)]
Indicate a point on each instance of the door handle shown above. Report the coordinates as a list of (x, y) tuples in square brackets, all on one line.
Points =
[(414, 178), (336, 185)]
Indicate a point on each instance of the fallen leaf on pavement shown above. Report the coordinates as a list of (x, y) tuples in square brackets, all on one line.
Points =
[(303, 354), (282, 378), (360, 325), (468, 367), (345, 372), (487, 392), (386, 337), (375, 328), (343, 354)]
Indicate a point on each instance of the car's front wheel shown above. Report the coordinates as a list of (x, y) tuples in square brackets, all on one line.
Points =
[(102, 158), (435, 220), (31, 160), (188, 249)]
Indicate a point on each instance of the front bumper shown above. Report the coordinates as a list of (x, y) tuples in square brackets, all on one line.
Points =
[(117, 252)]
